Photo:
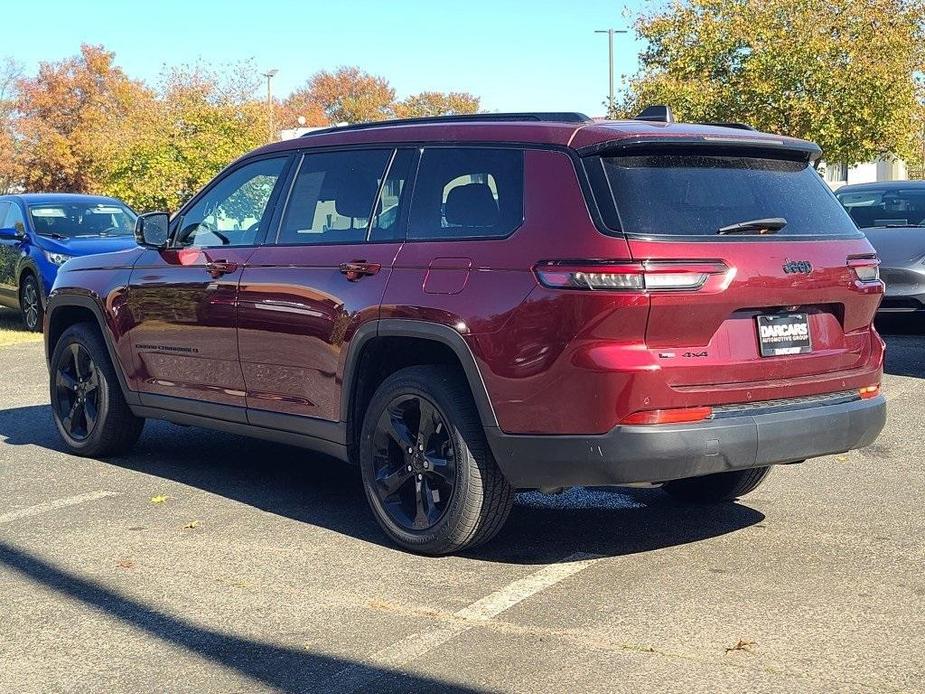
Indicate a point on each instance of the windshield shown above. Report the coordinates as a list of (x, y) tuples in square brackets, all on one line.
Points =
[(880, 208), (691, 194), (82, 219)]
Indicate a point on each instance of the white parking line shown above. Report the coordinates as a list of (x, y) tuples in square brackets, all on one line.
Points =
[(360, 676), (53, 505)]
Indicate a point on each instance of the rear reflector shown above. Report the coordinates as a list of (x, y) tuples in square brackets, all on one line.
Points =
[(869, 392), (680, 415), (627, 276)]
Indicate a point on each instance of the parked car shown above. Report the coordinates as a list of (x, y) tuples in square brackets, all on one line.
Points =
[(467, 306), (892, 216), (41, 231)]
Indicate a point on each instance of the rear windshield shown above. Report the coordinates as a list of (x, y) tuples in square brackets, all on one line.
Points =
[(696, 195), (882, 208)]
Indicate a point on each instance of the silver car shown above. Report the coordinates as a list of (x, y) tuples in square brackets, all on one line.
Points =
[(892, 215)]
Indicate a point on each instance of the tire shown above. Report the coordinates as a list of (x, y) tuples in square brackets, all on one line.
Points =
[(447, 517), (30, 303), (82, 382), (718, 488)]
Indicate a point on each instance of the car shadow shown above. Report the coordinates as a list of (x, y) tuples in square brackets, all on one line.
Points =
[(905, 345), (284, 669), (311, 488)]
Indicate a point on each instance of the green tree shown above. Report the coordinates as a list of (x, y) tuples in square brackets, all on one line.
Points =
[(200, 120), (839, 72)]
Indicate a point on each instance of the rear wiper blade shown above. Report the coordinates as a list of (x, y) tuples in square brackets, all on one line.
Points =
[(771, 225)]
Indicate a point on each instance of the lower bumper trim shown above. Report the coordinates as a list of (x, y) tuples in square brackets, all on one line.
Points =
[(665, 452)]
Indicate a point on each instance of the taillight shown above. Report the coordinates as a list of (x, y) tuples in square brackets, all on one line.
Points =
[(680, 415), (866, 268), (627, 276), (868, 392)]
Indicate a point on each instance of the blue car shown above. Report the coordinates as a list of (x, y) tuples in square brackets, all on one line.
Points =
[(39, 232)]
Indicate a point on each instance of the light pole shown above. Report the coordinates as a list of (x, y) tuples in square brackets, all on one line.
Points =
[(270, 74), (610, 33)]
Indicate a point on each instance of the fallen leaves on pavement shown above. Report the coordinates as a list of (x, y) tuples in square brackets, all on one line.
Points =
[(742, 645), (159, 499), (191, 525)]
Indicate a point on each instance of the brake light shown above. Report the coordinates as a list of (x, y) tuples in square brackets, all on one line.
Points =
[(679, 415), (869, 392), (627, 276), (866, 268)]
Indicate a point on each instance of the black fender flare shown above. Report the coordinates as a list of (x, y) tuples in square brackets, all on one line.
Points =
[(402, 327), (56, 302)]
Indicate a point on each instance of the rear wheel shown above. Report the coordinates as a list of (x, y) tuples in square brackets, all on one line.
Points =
[(429, 475), (30, 303), (86, 400), (718, 488)]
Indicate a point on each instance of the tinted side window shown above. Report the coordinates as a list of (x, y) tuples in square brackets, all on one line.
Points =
[(232, 211), (14, 219), (467, 193), (332, 197), (390, 210)]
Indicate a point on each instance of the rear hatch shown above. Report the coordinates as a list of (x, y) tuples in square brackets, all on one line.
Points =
[(786, 286)]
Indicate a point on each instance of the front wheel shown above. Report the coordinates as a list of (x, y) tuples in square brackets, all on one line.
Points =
[(429, 475), (86, 399), (30, 304), (718, 488)]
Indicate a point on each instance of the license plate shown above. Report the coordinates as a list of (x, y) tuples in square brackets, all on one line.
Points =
[(786, 333)]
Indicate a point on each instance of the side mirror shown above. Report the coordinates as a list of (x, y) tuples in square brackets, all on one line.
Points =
[(10, 234), (152, 229)]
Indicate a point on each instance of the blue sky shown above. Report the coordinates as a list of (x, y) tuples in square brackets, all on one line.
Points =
[(515, 54)]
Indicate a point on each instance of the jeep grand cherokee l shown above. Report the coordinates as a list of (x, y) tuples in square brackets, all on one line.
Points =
[(466, 306)]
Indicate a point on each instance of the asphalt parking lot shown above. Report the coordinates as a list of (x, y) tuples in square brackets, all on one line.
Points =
[(209, 562)]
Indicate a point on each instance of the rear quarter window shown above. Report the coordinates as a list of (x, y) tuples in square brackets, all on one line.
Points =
[(695, 194), (467, 193)]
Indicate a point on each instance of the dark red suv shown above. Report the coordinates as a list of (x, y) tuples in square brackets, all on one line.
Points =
[(467, 306)]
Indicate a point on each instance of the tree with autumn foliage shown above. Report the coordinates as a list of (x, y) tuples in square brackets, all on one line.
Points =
[(350, 95), (82, 125), (838, 72), (10, 169), (437, 104), (65, 114)]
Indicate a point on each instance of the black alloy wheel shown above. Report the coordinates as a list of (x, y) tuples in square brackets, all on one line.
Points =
[(31, 304), (414, 462), (77, 392)]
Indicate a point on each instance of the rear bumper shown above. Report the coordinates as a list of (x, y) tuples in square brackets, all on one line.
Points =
[(666, 452)]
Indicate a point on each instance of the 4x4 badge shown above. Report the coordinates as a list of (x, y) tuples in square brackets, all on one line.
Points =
[(803, 267)]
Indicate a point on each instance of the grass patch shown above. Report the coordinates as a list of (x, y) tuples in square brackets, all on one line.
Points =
[(12, 331)]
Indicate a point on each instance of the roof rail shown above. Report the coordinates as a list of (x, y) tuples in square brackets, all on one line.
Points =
[(539, 116), (658, 114), (729, 124)]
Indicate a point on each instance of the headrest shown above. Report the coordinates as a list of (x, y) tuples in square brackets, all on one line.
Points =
[(471, 205), (355, 196)]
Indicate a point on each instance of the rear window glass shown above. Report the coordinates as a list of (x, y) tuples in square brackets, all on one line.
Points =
[(696, 195), (878, 208)]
